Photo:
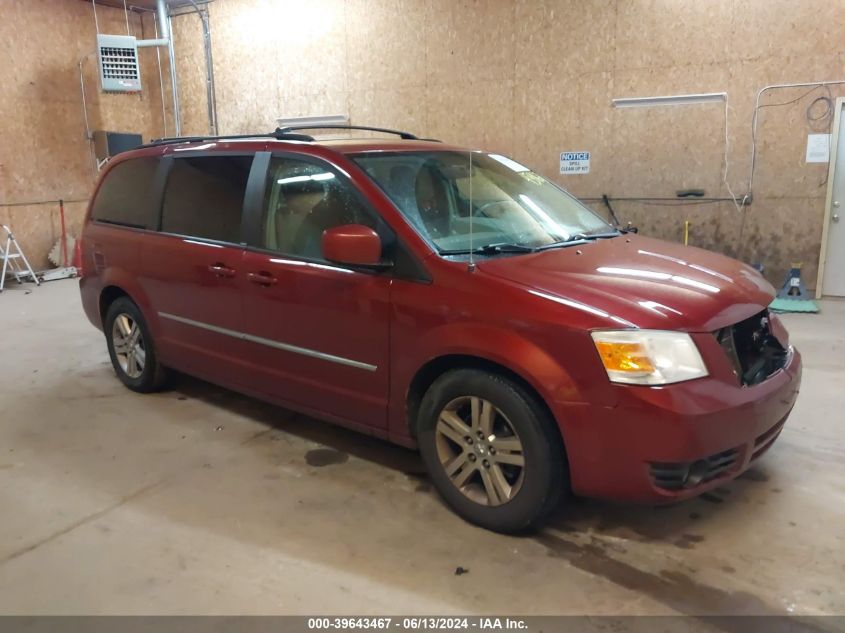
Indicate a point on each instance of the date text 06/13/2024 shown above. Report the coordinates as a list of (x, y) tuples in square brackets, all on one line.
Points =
[(417, 623)]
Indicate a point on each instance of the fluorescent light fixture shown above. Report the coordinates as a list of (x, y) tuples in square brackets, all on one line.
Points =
[(316, 121), (672, 100), (290, 179), (509, 163)]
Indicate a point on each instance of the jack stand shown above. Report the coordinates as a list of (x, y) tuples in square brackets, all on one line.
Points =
[(793, 288)]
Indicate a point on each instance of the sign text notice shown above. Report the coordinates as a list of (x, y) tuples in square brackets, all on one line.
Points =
[(575, 163)]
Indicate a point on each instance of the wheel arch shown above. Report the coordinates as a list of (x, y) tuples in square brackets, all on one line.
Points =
[(116, 283), (436, 367), (108, 296)]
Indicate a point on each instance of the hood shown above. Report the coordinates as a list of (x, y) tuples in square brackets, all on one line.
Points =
[(635, 281)]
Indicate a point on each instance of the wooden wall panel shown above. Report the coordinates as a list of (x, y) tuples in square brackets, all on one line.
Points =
[(389, 107), (533, 78), (478, 114), (558, 114), (787, 29), (530, 78), (789, 230), (386, 44), (191, 74), (660, 33), (578, 32), (44, 155), (469, 41)]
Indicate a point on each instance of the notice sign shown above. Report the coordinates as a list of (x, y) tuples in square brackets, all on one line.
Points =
[(575, 162), (818, 148)]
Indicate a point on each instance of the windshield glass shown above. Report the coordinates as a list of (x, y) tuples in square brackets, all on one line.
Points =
[(508, 205)]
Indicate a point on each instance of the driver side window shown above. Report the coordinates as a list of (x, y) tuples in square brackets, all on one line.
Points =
[(304, 199)]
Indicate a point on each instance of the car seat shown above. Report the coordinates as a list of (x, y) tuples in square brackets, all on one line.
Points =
[(432, 200)]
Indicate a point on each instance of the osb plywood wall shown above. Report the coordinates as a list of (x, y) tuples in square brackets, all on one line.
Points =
[(44, 155), (532, 78)]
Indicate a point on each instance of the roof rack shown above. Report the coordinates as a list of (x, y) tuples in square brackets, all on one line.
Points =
[(305, 126), (279, 135), (289, 133)]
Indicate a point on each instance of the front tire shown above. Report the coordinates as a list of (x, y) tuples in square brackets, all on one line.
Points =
[(131, 347), (492, 450)]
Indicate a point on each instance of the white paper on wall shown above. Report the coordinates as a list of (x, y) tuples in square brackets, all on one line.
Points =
[(818, 148)]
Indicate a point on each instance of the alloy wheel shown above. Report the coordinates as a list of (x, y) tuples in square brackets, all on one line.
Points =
[(480, 451), (128, 343)]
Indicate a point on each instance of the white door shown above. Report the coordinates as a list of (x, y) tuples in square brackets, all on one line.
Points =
[(834, 265)]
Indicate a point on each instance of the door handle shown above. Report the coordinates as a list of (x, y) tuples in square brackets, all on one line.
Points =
[(262, 278), (835, 217), (221, 270)]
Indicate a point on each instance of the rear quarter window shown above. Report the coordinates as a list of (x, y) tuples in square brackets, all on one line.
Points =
[(126, 195)]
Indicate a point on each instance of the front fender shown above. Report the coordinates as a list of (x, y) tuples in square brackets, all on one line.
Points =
[(507, 348), (504, 347)]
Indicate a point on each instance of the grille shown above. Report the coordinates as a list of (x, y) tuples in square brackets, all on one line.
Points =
[(679, 475), (119, 63), (753, 351)]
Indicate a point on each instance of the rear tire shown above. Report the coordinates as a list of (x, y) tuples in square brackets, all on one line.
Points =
[(131, 348), (492, 450)]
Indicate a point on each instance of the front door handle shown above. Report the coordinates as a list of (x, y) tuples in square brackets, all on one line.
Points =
[(262, 278), (221, 270)]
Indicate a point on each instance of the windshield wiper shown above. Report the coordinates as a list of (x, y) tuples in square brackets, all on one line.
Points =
[(504, 247), (578, 238), (492, 249), (591, 236)]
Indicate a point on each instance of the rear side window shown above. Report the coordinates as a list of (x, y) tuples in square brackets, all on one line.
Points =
[(204, 197), (125, 197)]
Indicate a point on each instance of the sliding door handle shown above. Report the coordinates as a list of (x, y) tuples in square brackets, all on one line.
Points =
[(221, 270), (262, 278)]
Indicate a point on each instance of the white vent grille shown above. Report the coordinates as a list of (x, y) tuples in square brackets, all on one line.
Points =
[(119, 70), (119, 63)]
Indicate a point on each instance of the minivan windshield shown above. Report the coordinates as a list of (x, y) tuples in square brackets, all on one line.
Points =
[(509, 207)]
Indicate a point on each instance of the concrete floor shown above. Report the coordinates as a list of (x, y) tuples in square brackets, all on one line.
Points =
[(198, 500)]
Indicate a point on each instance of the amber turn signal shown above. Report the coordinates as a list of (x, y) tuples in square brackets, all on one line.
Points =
[(627, 357), (648, 357)]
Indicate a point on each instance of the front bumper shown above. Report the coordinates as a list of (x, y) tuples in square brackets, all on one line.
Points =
[(638, 449)]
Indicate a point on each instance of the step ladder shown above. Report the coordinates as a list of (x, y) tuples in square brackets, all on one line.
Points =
[(15, 262)]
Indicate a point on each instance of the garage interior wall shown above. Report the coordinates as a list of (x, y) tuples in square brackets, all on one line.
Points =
[(44, 156), (529, 78), (533, 78)]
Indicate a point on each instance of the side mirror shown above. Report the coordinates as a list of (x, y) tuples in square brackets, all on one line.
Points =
[(352, 244)]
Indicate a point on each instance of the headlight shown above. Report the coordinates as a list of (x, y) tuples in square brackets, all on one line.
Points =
[(648, 357)]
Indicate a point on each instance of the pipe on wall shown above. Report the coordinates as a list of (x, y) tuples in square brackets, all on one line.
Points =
[(211, 96), (161, 15), (164, 37), (177, 117)]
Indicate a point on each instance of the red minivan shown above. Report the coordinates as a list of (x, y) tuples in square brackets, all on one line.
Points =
[(441, 298)]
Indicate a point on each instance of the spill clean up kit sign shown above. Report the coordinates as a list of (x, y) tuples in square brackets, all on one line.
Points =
[(574, 163)]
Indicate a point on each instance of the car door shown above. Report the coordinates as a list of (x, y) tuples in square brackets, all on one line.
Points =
[(317, 332), (193, 266)]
